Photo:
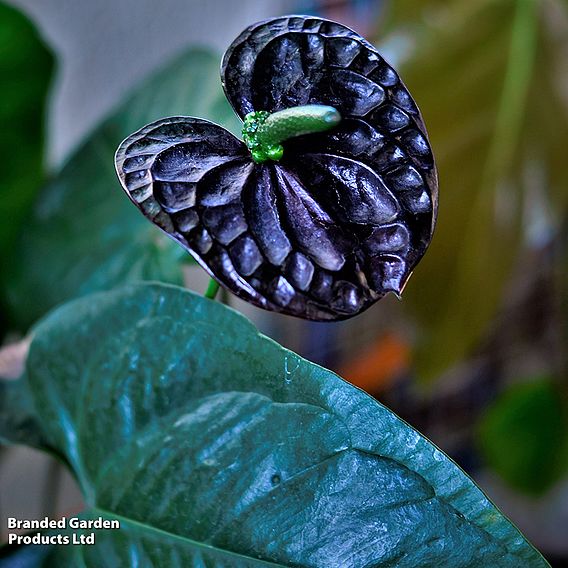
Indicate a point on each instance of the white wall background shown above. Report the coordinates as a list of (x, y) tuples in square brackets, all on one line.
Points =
[(104, 47)]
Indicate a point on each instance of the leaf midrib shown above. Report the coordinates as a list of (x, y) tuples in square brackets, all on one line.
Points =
[(187, 541)]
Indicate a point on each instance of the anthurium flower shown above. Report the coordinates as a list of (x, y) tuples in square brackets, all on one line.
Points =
[(329, 201)]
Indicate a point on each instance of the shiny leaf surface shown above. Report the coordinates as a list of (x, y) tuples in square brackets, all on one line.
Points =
[(208, 438), (84, 236), (340, 220)]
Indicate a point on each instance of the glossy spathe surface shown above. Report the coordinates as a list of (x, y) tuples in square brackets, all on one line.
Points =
[(254, 451), (340, 220)]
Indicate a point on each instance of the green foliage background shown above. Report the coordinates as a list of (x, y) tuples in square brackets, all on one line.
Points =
[(26, 68), (488, 78)]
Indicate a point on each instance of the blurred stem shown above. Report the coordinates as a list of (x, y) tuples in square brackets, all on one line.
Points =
[(516, 84), (225, 297), (478, 240), (51, 488), (212, 289)]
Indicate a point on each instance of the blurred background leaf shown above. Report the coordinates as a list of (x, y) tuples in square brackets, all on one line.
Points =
[(85, 235), (487, 76), (26, 68), (523, 436)]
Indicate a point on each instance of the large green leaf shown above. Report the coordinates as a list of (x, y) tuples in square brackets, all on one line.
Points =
[(206, 437), (488, 76), (523, 436), (26, 66), (85, 234)]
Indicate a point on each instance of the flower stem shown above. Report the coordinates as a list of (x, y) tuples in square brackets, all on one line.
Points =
[(212, 289)]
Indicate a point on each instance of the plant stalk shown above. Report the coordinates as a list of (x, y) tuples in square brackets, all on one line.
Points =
[(212, 289)]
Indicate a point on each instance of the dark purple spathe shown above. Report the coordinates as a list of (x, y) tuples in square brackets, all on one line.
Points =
[(340, 220)]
